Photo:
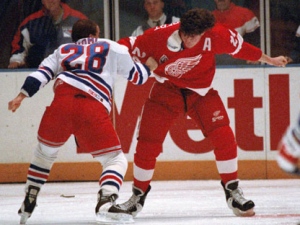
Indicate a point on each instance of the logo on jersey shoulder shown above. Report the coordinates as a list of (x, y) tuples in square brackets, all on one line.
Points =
[(182, 66)]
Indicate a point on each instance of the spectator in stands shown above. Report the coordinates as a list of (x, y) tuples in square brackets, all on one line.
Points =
[(92, 8), (294, 56), (42, 32), (9, 22), (243, 20), (155, 16)]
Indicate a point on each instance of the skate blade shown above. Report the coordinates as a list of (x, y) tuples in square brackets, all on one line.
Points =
[(24, 217), (248, 213), (113, 218)]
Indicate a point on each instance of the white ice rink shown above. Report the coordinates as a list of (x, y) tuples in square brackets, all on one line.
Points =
[(169, 202)]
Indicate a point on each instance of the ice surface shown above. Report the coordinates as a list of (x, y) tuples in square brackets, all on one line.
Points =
[(169, 202)]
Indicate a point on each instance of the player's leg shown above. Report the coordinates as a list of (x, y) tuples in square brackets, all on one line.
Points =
[(289, 149), (210, 113), (114, 166), (149, 146), (96, 135), (37, 175), (51, 136), (158, 114)]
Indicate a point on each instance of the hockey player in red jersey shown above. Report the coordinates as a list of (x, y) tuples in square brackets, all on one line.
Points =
[(185, 52), (84, 73)]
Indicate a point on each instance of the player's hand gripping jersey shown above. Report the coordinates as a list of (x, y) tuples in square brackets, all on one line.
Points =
[(188, 68), (90, 65)]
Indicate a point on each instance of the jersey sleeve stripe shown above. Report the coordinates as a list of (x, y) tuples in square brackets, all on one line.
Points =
[(138, 74)]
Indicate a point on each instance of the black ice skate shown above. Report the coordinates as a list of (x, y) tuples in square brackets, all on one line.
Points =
[(107, 211), (236, 201), (28, 204), (136, 202)]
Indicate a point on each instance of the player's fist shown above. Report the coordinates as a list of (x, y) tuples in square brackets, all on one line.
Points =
[(151, 63), (14, 104), (279, 61)]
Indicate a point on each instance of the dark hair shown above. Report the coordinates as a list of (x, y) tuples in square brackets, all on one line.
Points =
[(196, 21), (83, 28)]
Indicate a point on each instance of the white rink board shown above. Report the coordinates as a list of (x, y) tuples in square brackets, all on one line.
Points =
[(18, 130)]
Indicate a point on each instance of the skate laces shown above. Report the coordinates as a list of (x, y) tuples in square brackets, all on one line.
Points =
[(238, 196), (32, 197), (131, 203), (112, 199)]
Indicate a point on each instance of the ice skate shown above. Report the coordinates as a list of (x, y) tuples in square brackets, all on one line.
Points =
[(289, 152), (136, 202), (28, 204), (108, 213), (236, 201)]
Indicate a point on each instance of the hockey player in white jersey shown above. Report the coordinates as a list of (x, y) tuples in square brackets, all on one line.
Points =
[(84, 74), (289, 149)]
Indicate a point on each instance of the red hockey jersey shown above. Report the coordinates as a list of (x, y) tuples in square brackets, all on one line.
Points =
[(188, 68)]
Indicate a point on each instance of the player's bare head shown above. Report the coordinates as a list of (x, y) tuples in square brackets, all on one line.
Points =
[(84, 28), (196, 21)]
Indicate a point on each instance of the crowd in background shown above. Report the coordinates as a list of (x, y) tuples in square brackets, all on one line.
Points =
[(284, 17), (18, 22)]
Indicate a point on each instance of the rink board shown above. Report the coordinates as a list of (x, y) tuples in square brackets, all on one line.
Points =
[(261, 102)]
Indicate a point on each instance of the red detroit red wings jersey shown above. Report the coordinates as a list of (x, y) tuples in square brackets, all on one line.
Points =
[(188, 68)]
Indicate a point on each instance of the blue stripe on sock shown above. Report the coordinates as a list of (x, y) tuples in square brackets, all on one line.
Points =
[(112, 184), (36, 181), (39, 169)]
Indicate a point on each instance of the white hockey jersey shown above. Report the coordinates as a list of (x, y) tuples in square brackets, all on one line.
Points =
[(90, 65)]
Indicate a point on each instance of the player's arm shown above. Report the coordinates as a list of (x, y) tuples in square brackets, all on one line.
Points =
[(35, 81), (135, 72), (274, 61), (138, 47), (29, 88), (246, 51), (250, 52), (32, 84)]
